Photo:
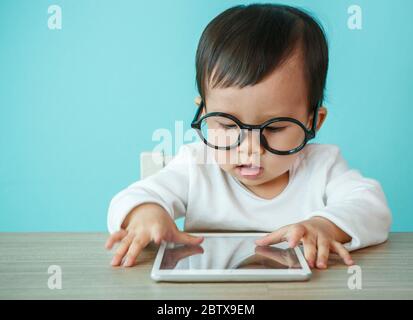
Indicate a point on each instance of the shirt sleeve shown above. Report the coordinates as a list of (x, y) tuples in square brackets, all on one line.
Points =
[(356, 204), (167, 188)]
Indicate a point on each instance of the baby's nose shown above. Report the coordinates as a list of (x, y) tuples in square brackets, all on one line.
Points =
[(251, 143)]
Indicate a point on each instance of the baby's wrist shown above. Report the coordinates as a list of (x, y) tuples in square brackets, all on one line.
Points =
[(137, 212), (132, 215)]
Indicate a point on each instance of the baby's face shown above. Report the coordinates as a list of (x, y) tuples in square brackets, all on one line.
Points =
[(282, 94)]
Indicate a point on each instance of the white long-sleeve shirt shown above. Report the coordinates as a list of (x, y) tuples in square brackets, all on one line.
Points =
[(320, 184)]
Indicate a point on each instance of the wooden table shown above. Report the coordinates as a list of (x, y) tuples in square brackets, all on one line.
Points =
[(387, 272)]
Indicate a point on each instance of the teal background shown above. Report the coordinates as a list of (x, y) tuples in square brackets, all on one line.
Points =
[(78, 105)]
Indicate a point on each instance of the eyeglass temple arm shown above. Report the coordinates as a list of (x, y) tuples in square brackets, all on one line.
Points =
[(314, 124), (201, 106)]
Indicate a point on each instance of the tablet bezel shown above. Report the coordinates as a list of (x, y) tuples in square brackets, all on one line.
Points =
[(227, 274)]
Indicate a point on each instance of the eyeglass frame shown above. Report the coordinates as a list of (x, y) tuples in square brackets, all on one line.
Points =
[(309, 133)]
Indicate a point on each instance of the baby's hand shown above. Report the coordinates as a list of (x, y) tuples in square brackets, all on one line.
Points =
[(147, 222), (318, 235)]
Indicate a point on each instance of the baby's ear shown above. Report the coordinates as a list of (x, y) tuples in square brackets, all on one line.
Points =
[(198, 101), (321, 117)]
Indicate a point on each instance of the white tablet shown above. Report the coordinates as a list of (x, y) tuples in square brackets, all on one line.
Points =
[(229, 257)]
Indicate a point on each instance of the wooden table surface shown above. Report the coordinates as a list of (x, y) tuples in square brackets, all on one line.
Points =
[(387, 273)]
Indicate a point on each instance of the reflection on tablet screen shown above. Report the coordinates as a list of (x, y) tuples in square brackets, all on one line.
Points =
[(228, 253)]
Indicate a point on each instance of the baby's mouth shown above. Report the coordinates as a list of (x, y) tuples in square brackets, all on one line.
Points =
[(249, 170)]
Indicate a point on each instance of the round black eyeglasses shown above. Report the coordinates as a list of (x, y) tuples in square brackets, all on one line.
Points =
[(281, 135)]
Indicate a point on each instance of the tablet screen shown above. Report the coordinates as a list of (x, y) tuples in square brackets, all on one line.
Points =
[(229, 252)]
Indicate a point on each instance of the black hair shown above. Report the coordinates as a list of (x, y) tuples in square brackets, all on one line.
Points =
[(245, 43)]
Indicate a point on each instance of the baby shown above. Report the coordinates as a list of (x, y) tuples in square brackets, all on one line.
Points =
[(261, 71)]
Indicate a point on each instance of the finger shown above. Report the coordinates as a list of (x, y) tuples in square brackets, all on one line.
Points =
[(323, 249), (342, 252), (295, 234), (157, 235), (115, 237), (136, 247), (274, 237), (186, 238), (310, 250), (121, 251)]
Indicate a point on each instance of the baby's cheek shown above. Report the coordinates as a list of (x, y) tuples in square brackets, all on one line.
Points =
[(277, 164)]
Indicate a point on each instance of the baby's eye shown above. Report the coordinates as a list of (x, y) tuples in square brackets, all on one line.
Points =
[(228, 126), (275, 129)]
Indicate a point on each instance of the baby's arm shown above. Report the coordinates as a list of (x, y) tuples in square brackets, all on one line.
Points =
[(167, 188), (145, 210), (356, 215), (357, 205)]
